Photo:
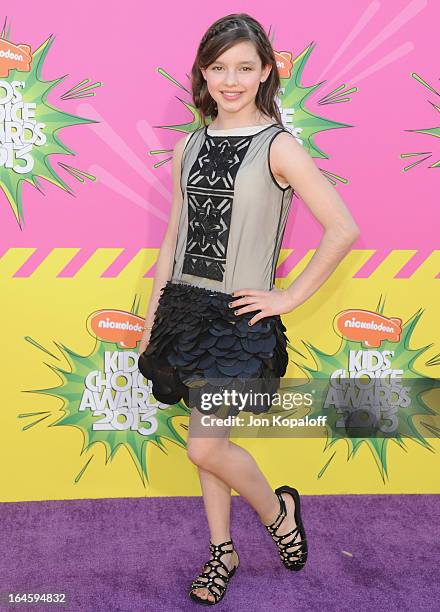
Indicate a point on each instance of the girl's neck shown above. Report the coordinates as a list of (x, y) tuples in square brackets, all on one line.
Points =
[(246, 124)]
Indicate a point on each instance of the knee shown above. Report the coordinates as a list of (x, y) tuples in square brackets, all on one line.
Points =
[(198, 452), (203, 452)]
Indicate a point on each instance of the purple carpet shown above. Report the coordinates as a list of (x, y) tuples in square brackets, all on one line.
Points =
[(142, 553)]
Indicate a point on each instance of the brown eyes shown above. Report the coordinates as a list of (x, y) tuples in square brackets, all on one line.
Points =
[(245, 68)]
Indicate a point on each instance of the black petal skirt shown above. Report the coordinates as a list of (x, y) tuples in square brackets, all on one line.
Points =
[(199, 346)]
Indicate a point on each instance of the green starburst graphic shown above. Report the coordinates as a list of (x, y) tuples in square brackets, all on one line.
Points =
[(93, 403), (303, 124), (33, 90), (433, 131), (403, 359)]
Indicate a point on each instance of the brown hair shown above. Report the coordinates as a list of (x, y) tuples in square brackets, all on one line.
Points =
[(221, 36)]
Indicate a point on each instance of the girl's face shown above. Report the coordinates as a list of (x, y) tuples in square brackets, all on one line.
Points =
[(237, 71)]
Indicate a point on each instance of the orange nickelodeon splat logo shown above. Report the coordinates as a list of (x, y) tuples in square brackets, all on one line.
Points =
[(116, 326), (368, 327), (284, 64), (12, 57)]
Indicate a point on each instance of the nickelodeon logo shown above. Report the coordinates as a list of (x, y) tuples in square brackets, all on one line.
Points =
[(118, 326), (284, 64), (368, 327), (14, 57)]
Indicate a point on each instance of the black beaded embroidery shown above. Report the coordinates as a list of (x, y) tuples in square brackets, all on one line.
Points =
[(221, 158), (210, 190)]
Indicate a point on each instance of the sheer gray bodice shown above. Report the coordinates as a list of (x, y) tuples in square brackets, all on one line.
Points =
[(234, 211)]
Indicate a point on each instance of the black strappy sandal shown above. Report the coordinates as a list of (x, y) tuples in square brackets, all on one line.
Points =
[(211, 578), (292, 559)]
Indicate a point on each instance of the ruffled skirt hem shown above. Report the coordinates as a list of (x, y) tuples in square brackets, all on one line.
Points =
[(199, 346)]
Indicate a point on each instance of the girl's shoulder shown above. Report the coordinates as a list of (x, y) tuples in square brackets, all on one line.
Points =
[(193, 133)]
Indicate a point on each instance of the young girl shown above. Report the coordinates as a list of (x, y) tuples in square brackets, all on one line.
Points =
[(214, 313)]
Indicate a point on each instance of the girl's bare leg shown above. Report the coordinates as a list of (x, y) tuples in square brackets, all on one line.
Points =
[(216, 498), (216, 492), (224, 465), (232, 464), (217, 501)]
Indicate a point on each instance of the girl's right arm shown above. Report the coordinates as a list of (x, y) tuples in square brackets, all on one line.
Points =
[(165, 261)]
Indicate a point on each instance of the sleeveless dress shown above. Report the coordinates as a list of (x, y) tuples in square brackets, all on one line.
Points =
[(229, 237)]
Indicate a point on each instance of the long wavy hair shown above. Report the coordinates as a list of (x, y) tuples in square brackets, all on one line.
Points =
[(221, 36)]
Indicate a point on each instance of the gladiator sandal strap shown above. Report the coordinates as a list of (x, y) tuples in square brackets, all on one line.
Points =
[(211, 577), (290, 558)]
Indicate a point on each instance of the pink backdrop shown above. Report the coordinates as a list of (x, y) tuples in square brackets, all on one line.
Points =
[(374, 46)]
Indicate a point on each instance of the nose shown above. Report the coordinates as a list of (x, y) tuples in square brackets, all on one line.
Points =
[(231, 78)]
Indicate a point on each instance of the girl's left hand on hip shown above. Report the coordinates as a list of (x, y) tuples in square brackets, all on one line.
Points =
[(273, 302)]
